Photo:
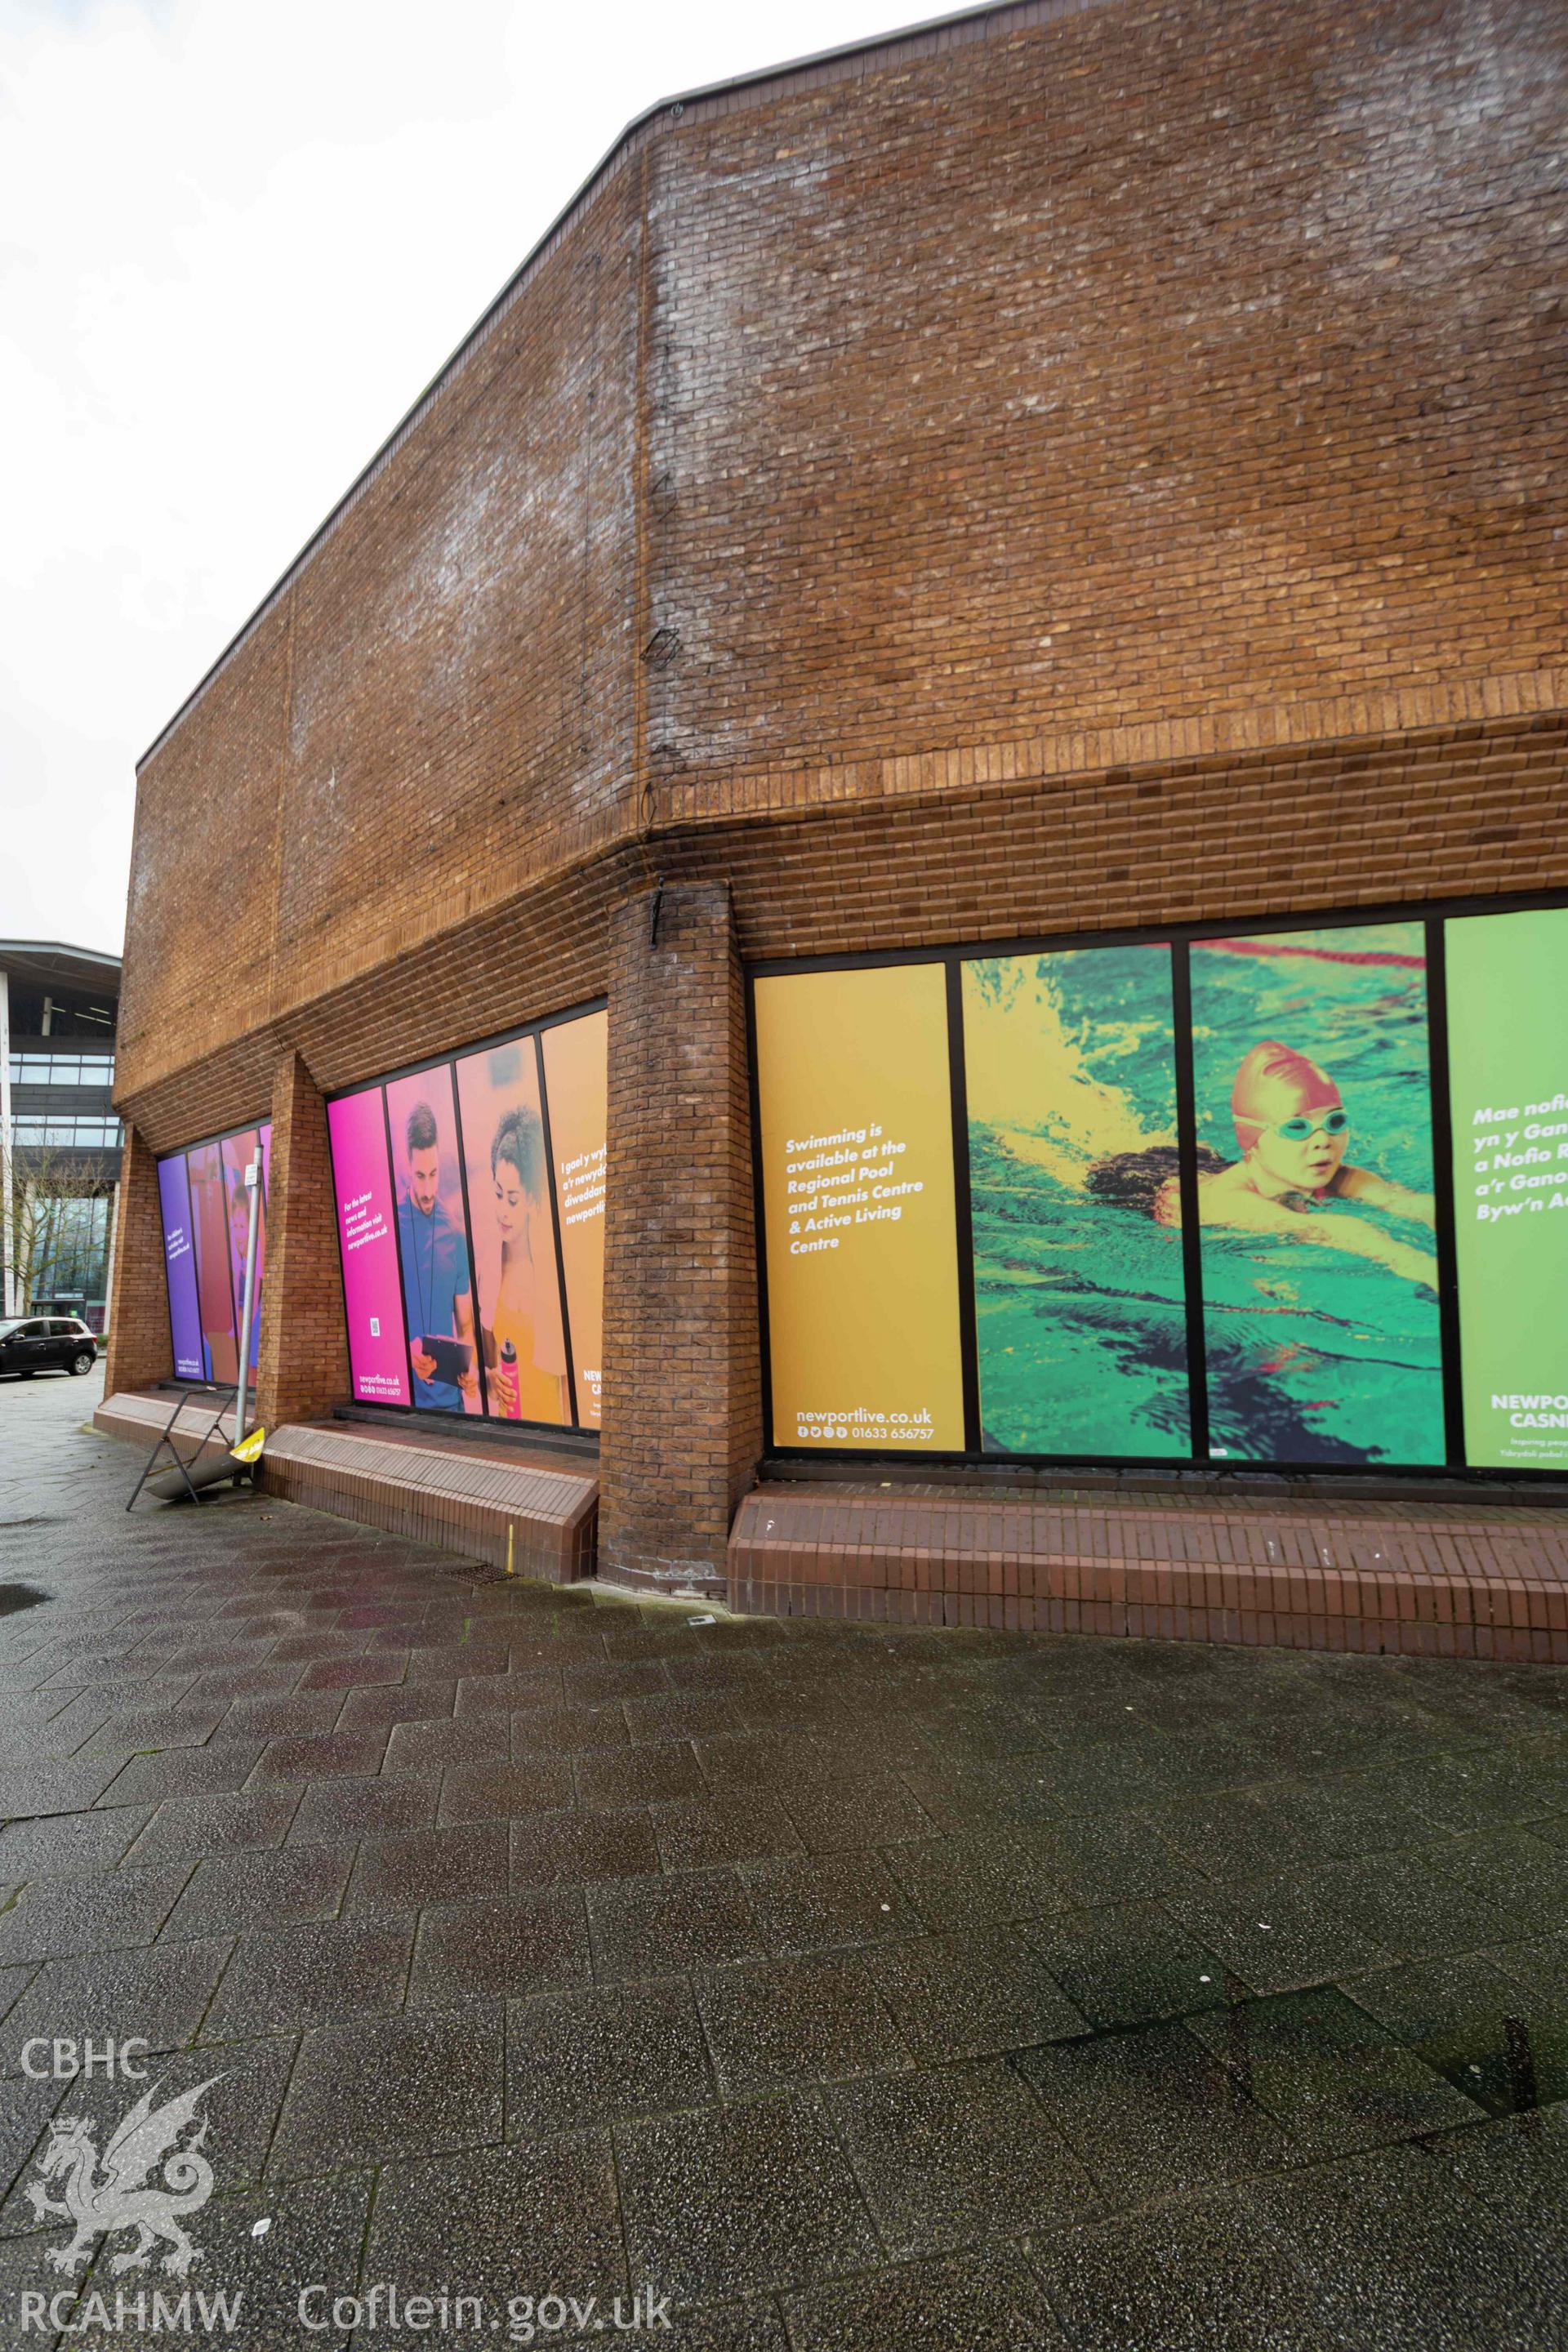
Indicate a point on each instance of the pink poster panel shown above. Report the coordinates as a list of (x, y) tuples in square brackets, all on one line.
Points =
[(433, 1242), (367, 1239), (238, 1151), (215, 1284), (517, 1286)]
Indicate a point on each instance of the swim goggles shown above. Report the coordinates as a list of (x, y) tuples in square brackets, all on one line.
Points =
[(1299, 1130)]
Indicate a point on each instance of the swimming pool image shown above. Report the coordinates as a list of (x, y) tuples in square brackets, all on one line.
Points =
[(1079, 1303), (1314, 1355)]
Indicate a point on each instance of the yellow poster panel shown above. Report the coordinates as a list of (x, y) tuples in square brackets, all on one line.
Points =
[(858, 1192), (575, 1087)]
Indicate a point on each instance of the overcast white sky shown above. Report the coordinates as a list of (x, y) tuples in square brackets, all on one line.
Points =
[(237, 239)]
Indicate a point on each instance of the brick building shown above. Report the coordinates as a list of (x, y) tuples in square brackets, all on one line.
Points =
[(1088, 469)]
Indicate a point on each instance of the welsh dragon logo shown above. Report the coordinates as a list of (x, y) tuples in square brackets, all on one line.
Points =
[(101, 2203)]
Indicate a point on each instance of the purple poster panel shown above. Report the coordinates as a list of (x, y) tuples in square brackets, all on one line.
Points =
[(367, 1239), (179, 1258)]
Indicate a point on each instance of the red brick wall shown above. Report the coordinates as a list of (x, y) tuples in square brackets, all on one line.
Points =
[(141, 1349), (682, 1401), (1166, 360), (303, 1365), (437, 710), (199, 922), (1444, 813), (1148, 365), (1432, 812), (461, 699)]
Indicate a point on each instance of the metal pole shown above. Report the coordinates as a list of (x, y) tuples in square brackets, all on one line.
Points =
[(253, 1185), (112, 1221)]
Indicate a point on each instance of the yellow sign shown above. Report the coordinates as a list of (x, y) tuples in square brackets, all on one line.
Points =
[(858, 1188)]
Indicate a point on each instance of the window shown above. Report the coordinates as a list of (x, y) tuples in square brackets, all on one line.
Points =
[(71, 1133), (1144, 1134), (73, 1249), (470, 1205), (205, 1206), (62, 1069)]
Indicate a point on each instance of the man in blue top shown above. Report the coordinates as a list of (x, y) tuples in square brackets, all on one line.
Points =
[(436, 1293)]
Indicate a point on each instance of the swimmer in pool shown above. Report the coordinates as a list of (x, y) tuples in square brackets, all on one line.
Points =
[(1294, 1132)]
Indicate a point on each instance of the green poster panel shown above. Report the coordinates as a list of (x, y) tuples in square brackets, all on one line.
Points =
[(1312, 1104), (1508, 1075), (1079, 1290)]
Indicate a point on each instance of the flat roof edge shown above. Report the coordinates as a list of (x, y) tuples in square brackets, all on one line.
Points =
[(1029, 12), (40, 947)]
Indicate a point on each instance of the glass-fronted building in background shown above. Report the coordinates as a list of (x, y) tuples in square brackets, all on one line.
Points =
[(60, 1136)]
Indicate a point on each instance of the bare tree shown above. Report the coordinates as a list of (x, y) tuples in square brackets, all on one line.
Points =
[(36, 1186)]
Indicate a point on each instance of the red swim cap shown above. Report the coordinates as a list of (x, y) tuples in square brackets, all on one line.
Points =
[(1276, 1083)]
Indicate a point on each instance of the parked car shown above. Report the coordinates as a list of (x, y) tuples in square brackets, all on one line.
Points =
[(47, 1343)]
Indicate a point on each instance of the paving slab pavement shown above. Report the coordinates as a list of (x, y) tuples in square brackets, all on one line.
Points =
[(847, 1990)]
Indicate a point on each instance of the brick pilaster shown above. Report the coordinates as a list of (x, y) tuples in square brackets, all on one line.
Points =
[(303, 1368), (140, 1349), (682, 1395)]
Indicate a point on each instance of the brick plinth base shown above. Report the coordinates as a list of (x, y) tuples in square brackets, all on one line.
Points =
[(197, 1430), (493, 1506), (499, 1504), (1459, 1580)]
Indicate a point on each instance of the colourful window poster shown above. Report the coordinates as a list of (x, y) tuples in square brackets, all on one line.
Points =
[(575, 1090), (858, 1189), (367, 1224), (1508, 1080), (518, 1288), (214, 1282), (1080, 1297), (206, 1212), (433, 1243), (238, 1152), (264, 1132), (180, 1266), (1314, 1182)]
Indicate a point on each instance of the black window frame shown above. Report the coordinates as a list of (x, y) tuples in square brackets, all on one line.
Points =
[(436, 1415), (1433, 915)]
